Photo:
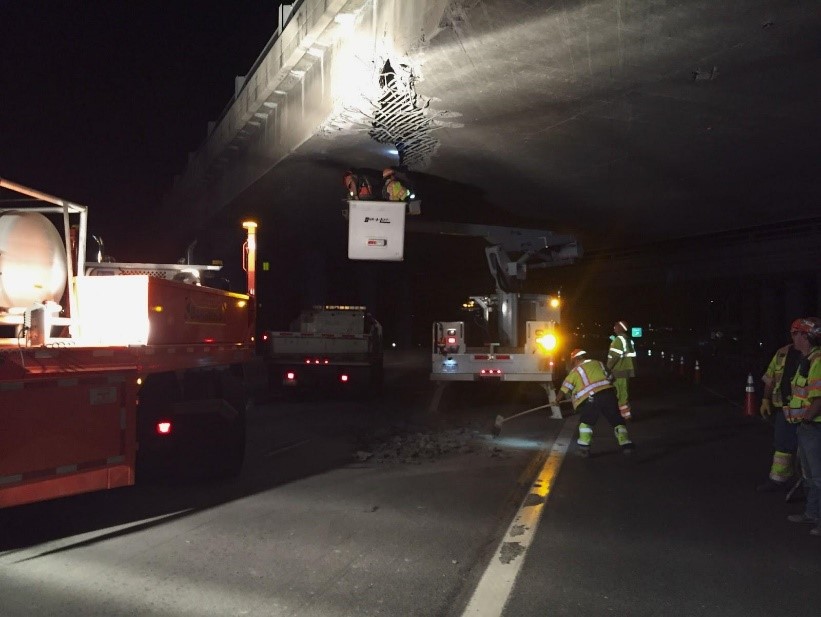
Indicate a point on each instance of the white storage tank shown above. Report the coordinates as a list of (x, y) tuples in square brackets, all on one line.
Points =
[(32, 260)]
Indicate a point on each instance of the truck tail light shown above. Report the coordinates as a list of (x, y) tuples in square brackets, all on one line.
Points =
[(451, 341), (163, 427), (290, 376), (343, 378)]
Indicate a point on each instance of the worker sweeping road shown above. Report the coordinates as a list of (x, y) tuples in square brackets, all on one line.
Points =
[(590, 388)]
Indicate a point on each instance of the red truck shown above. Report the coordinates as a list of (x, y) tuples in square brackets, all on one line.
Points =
[(111, 371)]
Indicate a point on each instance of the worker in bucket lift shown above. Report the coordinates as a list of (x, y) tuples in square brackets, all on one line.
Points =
[(394, 188), (804, 409), (357, 187), (777, 390), (590, 389), (620, 363)]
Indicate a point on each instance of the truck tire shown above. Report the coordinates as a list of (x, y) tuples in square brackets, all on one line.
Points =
[(230, 460), (214, 443), (156, 455)]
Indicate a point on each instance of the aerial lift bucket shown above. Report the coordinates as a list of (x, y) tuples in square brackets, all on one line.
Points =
[(376, 229)]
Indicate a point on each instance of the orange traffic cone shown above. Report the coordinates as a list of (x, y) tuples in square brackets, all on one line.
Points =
[(749, 397), (696, 374)]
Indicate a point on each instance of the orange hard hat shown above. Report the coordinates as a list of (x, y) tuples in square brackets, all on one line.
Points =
[(576, 353), (807, 325), (802, 324), (388, 171)]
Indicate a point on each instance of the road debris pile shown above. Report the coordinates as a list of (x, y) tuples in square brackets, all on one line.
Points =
[(418, 447)]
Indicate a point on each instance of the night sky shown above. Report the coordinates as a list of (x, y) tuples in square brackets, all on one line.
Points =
[(101, 101)]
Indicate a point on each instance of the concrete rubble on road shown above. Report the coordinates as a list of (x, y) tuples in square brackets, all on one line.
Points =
[(418, 447)]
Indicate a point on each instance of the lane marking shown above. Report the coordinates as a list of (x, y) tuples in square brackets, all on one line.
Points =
[(496, 584)]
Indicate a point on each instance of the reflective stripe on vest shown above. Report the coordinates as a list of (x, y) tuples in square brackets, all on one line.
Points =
[(589, 386), (780, 362), (805, 386)]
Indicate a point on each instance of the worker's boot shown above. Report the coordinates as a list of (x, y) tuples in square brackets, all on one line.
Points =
[(623, 438), (584, 440)]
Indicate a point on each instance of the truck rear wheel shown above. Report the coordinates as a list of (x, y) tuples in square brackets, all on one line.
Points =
[(156, 454), (206, 412)]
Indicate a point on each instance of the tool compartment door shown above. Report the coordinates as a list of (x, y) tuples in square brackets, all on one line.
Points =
[(66, 436)]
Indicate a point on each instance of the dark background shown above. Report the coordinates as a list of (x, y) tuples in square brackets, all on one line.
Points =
[(101, 101)]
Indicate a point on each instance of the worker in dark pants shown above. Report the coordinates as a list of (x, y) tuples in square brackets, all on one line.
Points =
[(590, 388), (804, 409)]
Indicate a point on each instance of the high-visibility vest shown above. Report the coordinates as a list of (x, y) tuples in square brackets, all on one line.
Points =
[(775, 373), (587, 378), (620, 357), (805, 388), (396, 190)]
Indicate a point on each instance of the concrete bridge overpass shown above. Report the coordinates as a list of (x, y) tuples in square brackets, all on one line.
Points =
[(654, 130)]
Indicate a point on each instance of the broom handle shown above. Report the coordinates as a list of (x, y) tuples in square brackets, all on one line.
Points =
[(521, 413)]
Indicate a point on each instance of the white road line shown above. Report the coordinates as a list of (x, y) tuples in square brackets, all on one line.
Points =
[(497, 582)]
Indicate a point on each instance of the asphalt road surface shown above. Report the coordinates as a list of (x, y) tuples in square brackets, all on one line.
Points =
[(374, 506)]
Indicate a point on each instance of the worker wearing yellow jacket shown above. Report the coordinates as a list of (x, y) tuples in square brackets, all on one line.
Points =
[(777, 390), (620, 363), (589, 387), (804, 408), (394, 189)]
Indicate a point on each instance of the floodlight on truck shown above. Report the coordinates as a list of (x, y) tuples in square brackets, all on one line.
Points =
[(546, 340)]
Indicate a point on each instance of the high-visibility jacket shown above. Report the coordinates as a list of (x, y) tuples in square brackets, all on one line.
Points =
[(396, 191), (620, 357), (775, 373), (806, 387), (587, 378)]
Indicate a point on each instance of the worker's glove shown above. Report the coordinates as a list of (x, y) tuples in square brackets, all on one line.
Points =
[(766, 408)]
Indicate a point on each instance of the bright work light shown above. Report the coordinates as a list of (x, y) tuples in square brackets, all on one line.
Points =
[(547, 342)]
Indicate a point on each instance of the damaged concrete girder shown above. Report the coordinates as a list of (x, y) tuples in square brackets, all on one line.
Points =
[(287, 96)]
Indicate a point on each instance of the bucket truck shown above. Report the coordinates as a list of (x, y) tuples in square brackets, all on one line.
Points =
[(522, 331)]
